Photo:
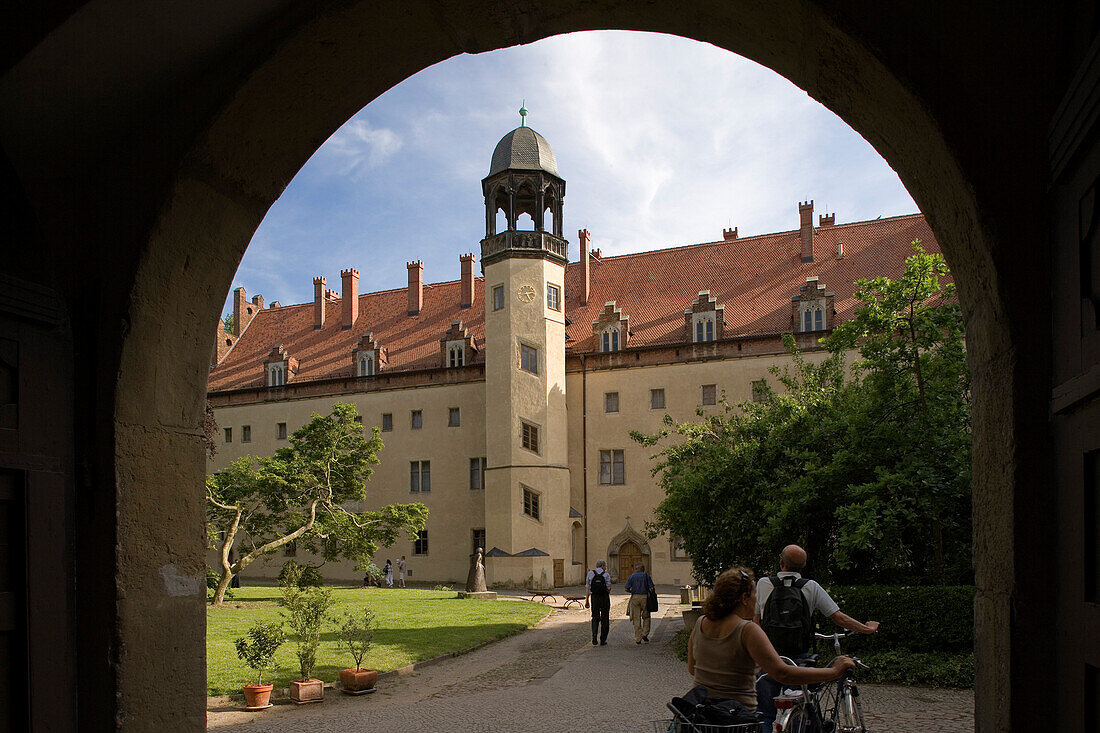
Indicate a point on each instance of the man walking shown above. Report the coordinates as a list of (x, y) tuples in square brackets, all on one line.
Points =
[(785, 604), (638, 585), (401, 565), (597, 586)]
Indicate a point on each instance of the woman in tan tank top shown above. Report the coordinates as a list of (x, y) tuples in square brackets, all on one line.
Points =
[(726, 647)]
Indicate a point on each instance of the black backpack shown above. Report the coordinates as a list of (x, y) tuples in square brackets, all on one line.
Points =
[(599, 587), (786, 617)]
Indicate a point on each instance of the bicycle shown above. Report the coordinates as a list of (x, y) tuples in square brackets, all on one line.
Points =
[(680, 723), (827, 707)]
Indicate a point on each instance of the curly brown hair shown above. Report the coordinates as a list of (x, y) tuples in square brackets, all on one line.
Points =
[(731, 586)]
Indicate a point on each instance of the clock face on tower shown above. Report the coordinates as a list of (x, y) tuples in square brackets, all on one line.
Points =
[(526, 293)]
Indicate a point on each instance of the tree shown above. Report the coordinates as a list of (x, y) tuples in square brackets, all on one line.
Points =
[(870, 473), (227, 319), (298, 495)]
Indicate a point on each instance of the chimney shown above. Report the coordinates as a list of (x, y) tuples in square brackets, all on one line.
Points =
[(729, 235), (258, 301), (806, 229), (319, 302), (826, 220), (466, 293), (240, 306), (416, 286), (586, 266), (349, 298)]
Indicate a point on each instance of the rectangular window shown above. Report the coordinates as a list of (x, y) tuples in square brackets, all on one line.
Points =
[(612, 467), (759, 390), (553, 297), (656, 399), (453, 417), (529, 358), (819, 318), (417, 419), (420, 546), (498, 297), (479, 541), (530, 438), (420, 476), (611, 340), (246, 433), (806, 325), (710, 394), (229, 435), (530, 502), (290, 549), (387, 422), (611, 402), (677, 551), (280, 431), (477, 473)]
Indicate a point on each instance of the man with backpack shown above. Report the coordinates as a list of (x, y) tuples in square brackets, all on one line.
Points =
[(597, 587), (785, 604)]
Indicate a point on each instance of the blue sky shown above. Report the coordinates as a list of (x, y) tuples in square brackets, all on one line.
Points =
[(662, 141)]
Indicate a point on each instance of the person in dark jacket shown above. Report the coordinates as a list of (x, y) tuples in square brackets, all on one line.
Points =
[(597, 587), (638, 585)]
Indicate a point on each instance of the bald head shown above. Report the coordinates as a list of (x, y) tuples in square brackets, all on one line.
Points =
[(792, 559)]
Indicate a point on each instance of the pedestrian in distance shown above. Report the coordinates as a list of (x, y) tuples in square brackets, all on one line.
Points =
[(388, 570), (597, 587), (401, 565), (638, 586)]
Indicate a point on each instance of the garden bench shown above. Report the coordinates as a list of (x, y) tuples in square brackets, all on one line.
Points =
[(569, 600), (542, 594)]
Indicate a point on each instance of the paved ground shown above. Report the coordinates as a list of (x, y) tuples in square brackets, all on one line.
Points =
[(551, 679)]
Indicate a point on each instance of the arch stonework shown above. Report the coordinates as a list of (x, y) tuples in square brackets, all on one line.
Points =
[(136, 179)]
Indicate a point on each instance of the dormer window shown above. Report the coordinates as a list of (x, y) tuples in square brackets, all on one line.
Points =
[(366, 365), (704, 328), (276, 375), (457, 347), (456, 354), (610, 340), (704, 320), (279, 367), (812, 308), (368, 358), (813, 316)]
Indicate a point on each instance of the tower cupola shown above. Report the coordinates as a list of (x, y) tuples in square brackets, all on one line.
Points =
[(523, 179)]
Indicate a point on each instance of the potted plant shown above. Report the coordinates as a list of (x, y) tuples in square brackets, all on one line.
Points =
[(306, 611), (258, 651), (356, 634)]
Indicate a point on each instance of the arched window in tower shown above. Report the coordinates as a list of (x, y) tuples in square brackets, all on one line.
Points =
[(610, 340), (548, 218), (524, 223), (501, 221)]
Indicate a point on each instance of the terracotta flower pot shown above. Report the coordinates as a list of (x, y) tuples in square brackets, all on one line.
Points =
[(257, 696), (354, 680), (304, 691)]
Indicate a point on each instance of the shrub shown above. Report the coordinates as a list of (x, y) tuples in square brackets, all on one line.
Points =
[(680, 644), (443, 587), (356, 634), (919, 668), (931, 619), (258, 650), (305, 576)]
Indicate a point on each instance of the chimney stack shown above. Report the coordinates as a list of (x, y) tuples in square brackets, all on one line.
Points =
[(240, 301), (319, 302), (806, 229), (349, 298), (467, 291), (586, 267), (826, 220), (729, 235), (416, 286)]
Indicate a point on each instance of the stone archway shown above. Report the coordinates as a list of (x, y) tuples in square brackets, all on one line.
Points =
[(626, 548), (140, 172)]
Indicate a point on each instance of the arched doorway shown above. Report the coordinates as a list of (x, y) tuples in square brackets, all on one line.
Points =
[(149, 170), (629, 556)]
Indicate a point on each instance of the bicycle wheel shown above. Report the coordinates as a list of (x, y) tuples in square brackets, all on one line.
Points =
[(849, 714)]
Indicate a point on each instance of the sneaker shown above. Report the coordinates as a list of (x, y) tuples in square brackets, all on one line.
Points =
[(645, 639), (603, 643), (594, 642)]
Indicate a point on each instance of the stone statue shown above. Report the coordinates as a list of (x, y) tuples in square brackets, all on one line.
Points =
[(475, 581)]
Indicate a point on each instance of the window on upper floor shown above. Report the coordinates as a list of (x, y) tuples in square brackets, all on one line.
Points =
[(612, 467), (366, 365), (478, 536), (477, 473), (228, 435), (280, 431), (553, 297), (610, 340), (417, 419), (529, 437), (531, 502), (420, 545), (420, 476), (813, 316), (704, 329), (456, 354), (387, 422), (611, 402), (656, 399), (246, 433), (710, 394), (759, 390), (529, 358), (276, 375), (453, 417), (498, 297)]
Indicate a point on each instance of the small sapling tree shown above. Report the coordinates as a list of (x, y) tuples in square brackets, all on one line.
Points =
[(306, 611), (258, 650), (356, 634), (298, 495)]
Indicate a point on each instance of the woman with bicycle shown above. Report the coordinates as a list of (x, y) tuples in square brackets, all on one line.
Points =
[(726, 647)]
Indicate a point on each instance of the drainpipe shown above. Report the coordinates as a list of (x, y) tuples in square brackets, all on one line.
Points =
[(584, 457)]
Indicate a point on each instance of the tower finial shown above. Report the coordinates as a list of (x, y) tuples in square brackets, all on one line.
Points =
[(523, 113)]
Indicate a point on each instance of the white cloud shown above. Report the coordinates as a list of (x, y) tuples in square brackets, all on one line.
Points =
[(357, 147)]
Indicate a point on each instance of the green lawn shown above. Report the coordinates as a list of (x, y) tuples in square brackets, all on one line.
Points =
[(412, 625)]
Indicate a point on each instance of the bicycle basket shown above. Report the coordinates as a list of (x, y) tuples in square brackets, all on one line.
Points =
[(670, 725)]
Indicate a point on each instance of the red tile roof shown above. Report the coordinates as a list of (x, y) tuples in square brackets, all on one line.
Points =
[(753, 277)]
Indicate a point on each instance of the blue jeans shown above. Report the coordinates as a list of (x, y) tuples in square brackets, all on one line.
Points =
[(766, 690)]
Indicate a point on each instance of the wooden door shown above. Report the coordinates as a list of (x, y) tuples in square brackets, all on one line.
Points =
[(629, 554), (559, 573)]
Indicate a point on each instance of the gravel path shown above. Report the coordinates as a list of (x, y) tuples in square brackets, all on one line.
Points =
[(552, 679)]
